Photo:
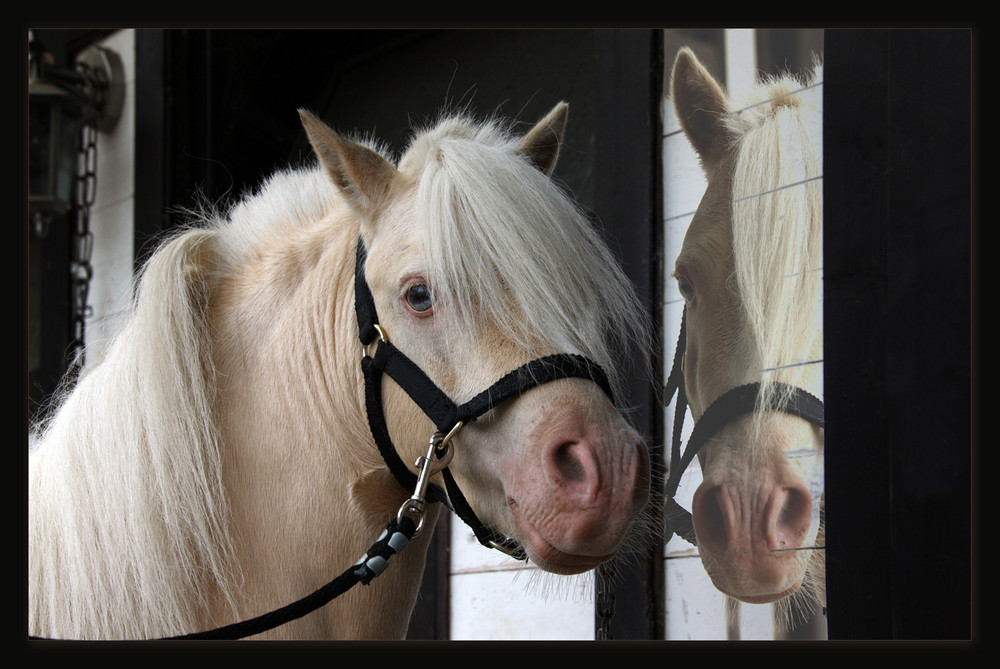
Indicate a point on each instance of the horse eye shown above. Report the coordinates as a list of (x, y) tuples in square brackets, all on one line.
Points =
[(685, 288), (418, 297)]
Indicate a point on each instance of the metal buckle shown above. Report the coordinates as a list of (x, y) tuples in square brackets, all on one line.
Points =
[(439, 454)]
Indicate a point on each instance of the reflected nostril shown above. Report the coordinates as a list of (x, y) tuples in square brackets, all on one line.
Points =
[(794, 516), (710, 518)]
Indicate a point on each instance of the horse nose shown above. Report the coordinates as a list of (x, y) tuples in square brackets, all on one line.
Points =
[(576, 506), (773, 518), (587, 475)]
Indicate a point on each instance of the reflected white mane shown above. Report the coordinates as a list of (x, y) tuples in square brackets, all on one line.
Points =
[(777, 218)]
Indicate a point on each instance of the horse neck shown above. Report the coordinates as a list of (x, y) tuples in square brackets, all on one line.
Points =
[(308, 491), (286, 352)]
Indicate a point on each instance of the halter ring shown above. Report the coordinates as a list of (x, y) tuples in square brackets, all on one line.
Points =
[(515, 552), (440, 440), (382, 337)]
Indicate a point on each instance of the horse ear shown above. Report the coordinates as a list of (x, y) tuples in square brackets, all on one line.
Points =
[(701, 106), (361, 174), (541, 144)]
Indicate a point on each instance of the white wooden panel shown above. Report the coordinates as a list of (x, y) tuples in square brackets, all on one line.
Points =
[(494, 597), (683, 185), (112, 215), (741, 61), (470, 556), (495, 606)]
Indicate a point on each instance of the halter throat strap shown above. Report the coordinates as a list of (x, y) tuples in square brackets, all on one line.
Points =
[(442, 411), (728, 407)]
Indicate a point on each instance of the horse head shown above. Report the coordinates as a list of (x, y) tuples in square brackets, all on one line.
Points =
[(478, 264)]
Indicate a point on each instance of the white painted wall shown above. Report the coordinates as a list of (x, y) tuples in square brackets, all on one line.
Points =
[(494, 597), (113, 212), (694, 609)]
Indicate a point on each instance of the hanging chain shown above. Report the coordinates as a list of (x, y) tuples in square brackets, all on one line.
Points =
[(81, 270), (605, 603)]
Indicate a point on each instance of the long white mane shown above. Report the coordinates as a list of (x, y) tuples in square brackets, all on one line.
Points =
[(127, 526), (128, 533), (777, 218)]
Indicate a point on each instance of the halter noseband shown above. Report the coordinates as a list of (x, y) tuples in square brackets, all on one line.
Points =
[(732, 404), (447, 416)]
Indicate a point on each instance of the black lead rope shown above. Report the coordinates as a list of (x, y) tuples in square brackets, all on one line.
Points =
[(732, 404), (392, 540)]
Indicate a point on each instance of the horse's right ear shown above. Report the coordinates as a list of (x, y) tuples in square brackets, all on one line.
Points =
[(361, 174), (541, 144), (701, 106)]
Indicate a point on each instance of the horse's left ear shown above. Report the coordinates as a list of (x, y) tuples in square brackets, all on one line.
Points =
[(541, 144), (361, 174), (701, 106)]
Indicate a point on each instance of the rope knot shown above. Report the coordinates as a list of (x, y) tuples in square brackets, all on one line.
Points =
[(392, 541)]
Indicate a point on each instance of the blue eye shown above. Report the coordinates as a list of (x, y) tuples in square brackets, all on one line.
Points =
[(418, 298)]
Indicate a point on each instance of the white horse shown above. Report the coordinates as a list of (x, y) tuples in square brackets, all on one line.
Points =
[(750, 274), (219, 462)]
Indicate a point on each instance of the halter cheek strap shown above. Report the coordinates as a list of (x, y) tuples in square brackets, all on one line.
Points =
[(731, 405), (446, 415)]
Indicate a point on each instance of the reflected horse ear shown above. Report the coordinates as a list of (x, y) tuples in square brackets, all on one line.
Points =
[(361, 174), (701, 107), (541, 144)]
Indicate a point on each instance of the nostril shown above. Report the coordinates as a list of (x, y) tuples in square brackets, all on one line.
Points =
[(567, 464), (793, 517), (709, 516), (572, 466)]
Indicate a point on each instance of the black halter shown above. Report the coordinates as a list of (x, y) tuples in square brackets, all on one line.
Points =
[(729, 406), (447, 416)]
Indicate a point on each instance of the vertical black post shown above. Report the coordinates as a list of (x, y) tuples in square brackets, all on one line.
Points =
[(855, 207), (627, 196), (151, 151), (897, 316)]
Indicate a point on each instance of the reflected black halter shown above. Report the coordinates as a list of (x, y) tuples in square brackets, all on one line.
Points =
[(447, 416), (732, 404)]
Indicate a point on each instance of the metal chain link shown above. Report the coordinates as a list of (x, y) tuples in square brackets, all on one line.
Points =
[(81, 270)]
